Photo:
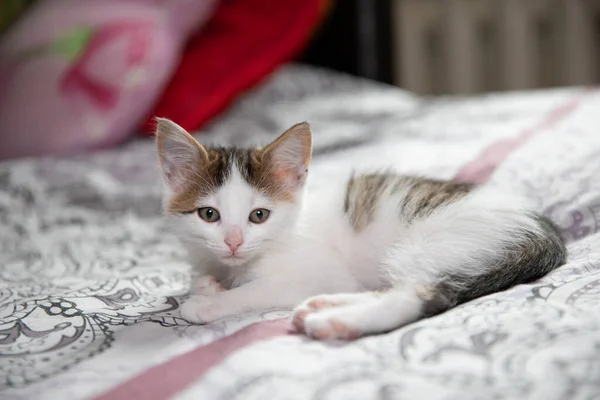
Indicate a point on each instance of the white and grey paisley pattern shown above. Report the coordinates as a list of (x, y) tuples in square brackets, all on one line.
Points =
[(90, 279)]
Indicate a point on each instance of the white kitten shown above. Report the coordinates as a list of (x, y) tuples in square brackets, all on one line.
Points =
[(374, 253)]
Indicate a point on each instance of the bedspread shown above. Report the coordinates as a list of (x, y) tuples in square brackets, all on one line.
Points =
[(90, 280)]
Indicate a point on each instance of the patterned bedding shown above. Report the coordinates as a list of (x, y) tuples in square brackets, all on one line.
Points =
[(90, 280)]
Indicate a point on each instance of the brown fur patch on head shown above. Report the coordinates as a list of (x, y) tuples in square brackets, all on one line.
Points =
[(262, 168)]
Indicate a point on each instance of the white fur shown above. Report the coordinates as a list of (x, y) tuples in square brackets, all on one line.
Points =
[(235, 201), (286, 262), (309, 249), (464, 237)]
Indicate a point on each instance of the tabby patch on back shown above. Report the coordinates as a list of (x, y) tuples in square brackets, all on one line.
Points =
[(417, 196)]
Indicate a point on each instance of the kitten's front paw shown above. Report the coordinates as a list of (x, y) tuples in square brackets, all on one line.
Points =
[(207, 284), (200, 310)]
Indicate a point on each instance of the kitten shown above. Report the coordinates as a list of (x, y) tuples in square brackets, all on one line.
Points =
[(373, 253)]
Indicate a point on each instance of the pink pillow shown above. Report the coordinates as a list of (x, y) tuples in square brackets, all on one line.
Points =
[(78, 75)]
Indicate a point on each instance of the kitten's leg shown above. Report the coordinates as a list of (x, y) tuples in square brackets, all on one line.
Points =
[(257, 295), (206, 284), (348, 316)]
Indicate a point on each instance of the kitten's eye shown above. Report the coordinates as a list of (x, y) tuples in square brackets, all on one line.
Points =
[(209, 214), (259, 215)]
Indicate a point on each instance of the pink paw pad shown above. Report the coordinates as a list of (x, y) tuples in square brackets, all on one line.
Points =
[(342, 331), (298, 320), (321, 334), (334, 330)]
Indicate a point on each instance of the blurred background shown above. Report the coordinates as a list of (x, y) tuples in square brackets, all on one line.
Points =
[(78, 75), (464, 46)]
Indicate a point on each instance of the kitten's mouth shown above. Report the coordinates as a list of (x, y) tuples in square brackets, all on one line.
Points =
[(234, 259)]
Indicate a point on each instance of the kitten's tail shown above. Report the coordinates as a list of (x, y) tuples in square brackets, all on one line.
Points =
[(529, 256)]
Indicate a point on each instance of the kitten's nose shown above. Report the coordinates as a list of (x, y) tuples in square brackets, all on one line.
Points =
[(234, 240)]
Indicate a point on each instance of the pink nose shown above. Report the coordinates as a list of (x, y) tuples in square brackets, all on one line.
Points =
[(234, 241)]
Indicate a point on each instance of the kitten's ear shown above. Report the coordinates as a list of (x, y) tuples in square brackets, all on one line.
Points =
[(179, 154), (290, 155)]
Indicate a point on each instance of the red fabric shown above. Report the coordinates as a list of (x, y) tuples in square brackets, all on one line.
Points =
[(244, 41)]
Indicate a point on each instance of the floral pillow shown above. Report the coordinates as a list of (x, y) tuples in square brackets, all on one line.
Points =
[(77, 75)]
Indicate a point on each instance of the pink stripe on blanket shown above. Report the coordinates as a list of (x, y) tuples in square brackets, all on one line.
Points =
[(480, 169), (171, 377)]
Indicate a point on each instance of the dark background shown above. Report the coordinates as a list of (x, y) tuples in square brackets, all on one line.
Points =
[(355, 38)]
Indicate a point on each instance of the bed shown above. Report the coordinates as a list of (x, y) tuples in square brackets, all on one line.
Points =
[(90, 280)]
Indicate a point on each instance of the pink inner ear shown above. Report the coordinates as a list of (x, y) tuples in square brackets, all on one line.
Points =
[(289, 176), (177, 176), (282, 174)]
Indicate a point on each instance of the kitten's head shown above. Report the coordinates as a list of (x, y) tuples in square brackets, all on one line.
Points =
[(234, 203)]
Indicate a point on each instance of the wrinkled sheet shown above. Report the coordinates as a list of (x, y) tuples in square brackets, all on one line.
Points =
[(90, 279)]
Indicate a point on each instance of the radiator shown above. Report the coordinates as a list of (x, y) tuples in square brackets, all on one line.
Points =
[(470, 46)]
